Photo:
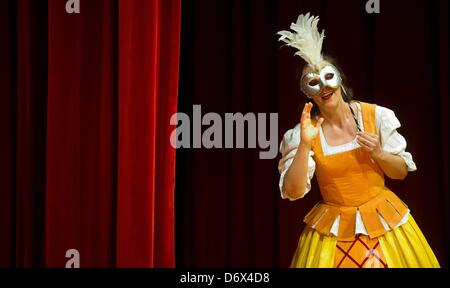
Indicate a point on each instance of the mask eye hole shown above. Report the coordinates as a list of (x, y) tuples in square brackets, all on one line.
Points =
[(329, 76), (313, 82)]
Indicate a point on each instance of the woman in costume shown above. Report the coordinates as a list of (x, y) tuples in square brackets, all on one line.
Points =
[(350, 146)]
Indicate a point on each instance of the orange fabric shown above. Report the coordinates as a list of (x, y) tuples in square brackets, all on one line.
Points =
[(352, 181), (363, 252)]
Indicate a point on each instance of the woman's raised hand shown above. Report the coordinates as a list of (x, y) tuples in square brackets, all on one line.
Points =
[(308, 130)]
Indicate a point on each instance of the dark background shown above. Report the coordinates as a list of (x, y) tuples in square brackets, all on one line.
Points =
[(228, 206)]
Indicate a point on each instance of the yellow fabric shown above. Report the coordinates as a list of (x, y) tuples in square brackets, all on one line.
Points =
[(402, 247), (406, 247), (314, 250)]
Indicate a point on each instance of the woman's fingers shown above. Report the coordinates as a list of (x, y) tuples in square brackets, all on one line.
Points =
[(308, 107), (363, 136), (319, 122), (364, 145), (303, 117), (365, 142), (368, 136), (306, 114)]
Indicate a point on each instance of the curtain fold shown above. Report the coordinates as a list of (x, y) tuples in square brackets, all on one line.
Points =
[(86, 161), (149, 79), (80, 123), (30, 120)]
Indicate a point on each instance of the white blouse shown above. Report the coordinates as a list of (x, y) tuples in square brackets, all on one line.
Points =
[(391, 141)]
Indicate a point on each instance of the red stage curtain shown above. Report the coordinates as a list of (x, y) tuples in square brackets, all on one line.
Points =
[(80, 134), (86, 161), (30, 126), (148, 89)]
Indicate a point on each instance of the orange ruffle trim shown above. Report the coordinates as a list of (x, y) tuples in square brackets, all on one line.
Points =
[(386, 204)]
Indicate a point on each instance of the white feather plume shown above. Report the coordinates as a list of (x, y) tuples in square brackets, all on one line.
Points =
[(305, 38)]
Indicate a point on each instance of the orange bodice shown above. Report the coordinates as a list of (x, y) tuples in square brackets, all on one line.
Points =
[(351, 181)]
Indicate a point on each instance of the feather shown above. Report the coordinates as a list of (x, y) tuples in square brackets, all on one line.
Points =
[(305, 38)]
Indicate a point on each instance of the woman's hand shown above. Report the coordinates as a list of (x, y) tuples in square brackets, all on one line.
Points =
[(296, 177), (392, 165), (370, 143), (308, 130)]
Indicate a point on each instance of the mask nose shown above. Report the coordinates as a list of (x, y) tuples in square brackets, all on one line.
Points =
[(322, 85)]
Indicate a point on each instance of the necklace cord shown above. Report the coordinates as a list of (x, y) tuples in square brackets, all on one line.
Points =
[(354, 117)]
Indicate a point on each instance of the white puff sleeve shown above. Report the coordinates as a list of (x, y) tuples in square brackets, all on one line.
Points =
[(288, 149), (391, 141)]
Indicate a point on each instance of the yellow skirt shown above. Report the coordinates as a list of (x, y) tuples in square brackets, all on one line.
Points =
[(402, 247)]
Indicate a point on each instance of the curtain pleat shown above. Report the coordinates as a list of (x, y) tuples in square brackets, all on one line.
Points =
[(149, 79), (86, 162)]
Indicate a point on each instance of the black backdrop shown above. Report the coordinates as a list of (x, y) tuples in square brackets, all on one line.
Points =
[(229, 212)]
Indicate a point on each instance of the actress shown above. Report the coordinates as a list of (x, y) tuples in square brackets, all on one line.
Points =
[(350, 146)]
